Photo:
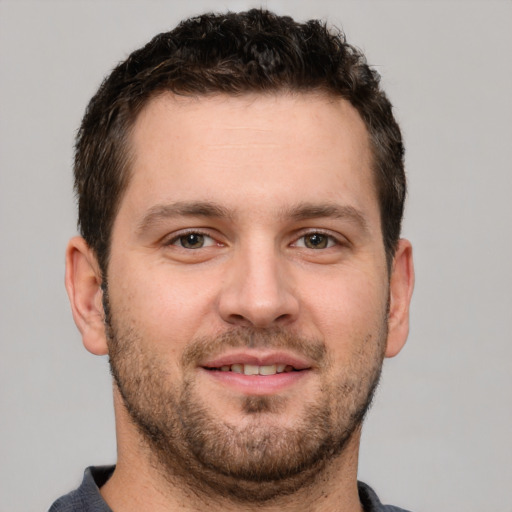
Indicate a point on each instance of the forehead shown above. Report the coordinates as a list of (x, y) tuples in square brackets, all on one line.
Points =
[(268, 149)]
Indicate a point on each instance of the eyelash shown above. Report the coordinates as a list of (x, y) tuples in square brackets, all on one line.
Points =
[(176, 238), (331, 239)]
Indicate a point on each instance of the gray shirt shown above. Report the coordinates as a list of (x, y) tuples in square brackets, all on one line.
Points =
[(87, 497)]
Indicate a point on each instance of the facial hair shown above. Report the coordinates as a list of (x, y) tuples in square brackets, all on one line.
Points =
[(259, 461)]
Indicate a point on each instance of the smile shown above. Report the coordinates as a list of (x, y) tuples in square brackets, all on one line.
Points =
[(253, 369), (257, 372)]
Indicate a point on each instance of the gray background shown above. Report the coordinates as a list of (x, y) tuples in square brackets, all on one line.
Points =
[(439, 436)]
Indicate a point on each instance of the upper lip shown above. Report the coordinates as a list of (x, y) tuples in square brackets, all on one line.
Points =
[(258, 358)]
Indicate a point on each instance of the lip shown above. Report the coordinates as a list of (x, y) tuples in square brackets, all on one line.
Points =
[(259, 358), (257, 385)]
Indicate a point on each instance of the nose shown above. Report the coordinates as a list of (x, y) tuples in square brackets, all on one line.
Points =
[(258, 290)]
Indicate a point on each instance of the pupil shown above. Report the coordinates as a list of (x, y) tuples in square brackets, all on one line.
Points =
[(192, 241), (316, 241)]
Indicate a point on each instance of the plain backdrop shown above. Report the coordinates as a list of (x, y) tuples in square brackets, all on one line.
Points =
[(439, 436)]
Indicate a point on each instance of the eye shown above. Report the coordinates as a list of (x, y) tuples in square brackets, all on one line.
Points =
[(316, 241), (193, 240)]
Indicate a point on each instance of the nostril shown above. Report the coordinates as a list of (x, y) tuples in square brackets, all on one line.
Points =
[(257, 306), (238, 319)]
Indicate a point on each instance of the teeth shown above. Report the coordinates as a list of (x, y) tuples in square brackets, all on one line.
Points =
[(237, 368), (268, 370), (253, 369)]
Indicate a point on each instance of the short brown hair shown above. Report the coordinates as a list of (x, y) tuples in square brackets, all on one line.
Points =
[(233, 53)]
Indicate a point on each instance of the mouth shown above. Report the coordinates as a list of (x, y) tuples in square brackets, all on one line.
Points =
[(254, 369), (257, 373)]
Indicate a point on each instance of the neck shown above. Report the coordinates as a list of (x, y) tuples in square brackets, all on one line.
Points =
[(139, 483)]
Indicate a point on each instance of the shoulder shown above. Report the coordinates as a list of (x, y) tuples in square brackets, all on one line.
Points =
[(371, 502), (87, 497)]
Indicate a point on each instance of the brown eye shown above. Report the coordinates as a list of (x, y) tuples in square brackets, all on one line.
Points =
[(316, 241), (191, 241)]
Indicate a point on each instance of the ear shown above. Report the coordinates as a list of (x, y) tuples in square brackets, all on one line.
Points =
[(83, 284), (401, 285)]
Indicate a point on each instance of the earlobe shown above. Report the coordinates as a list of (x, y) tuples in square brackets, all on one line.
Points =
[(400, 293), (83, 284)]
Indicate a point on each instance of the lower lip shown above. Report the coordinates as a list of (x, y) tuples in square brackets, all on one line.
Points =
[(257, 385)]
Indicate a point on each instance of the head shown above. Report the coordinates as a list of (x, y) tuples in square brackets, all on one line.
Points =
[(234, 54), (241, 188)]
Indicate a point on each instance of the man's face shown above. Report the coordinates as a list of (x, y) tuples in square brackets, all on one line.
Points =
[(247, 285)]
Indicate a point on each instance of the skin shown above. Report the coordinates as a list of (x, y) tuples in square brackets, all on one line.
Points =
[(263, 162)]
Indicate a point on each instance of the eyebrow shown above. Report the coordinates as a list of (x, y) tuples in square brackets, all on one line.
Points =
[(206, 209), (305, 211), (182, 209)]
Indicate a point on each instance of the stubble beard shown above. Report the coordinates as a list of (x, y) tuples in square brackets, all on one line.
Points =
[(257, 462)]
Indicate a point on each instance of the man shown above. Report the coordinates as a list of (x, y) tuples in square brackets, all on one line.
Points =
[(241, 186)]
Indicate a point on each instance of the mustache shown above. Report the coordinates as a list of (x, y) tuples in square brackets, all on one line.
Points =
[(250, 337)]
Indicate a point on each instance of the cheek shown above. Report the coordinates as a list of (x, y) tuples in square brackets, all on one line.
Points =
[(348, 308), (165, 306)]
